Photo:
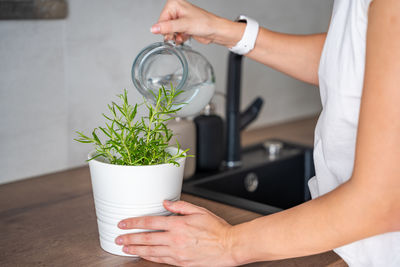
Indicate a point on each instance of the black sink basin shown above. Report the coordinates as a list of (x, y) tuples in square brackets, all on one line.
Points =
[(267, 182)]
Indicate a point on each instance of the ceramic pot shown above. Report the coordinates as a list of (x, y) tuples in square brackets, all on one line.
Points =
[(122, 192)]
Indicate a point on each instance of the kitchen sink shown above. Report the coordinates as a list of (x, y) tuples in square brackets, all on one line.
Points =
[(273, 177)]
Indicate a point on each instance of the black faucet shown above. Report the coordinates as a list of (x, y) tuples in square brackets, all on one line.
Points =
[(235, 120)]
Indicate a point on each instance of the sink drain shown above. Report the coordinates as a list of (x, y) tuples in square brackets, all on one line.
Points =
[(251, 182)]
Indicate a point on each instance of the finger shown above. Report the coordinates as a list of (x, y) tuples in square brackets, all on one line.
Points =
[(168, 37), (155, 29), (166, 260), (182, 207), (147, 238), (171, 26), (181, 38), (148, 251), (146, 222), (170, 11), (185, 37), (178, 39)]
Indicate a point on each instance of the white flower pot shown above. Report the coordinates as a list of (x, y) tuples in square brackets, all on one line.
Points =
[(122, 192)]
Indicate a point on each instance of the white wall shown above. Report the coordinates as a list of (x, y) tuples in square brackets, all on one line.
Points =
[(56, 77)]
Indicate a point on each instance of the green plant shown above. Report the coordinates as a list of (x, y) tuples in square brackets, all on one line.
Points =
[(137, 142)]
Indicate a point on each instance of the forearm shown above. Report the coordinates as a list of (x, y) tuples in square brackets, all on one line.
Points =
[(340, 217), (296, 55)]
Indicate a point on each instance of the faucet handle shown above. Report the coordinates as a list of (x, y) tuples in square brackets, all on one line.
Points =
[(251, 113)]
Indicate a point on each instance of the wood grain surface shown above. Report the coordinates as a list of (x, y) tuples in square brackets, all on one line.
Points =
[(50, 220)]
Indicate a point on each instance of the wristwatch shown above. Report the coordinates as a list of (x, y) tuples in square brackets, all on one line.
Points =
[(246, 44)]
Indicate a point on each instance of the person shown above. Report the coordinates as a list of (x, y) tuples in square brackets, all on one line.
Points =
[(356, 192)]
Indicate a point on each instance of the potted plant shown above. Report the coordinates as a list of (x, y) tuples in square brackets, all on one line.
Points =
[(134, 169)]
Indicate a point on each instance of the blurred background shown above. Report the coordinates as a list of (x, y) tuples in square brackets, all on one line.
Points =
[(57, 76)]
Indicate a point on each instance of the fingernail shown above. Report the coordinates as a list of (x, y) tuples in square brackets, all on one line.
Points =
[(168, 202), (122, 224), (155, 28), (125, 249), (118, 240)]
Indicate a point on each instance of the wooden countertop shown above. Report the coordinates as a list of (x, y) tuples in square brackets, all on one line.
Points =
[(50, 220)]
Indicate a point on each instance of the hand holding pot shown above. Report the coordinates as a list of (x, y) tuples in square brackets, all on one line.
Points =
[(197, 238)]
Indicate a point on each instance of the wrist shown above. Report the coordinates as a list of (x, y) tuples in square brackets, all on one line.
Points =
[(238, 250), (228, 33), (232, 245)]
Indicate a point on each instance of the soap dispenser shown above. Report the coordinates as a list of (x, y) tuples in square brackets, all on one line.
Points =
[(210, 140)]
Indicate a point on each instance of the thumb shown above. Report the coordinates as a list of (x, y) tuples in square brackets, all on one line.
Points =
[(170, 26), (182, 207)]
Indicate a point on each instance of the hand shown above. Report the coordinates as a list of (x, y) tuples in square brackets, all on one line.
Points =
[(197, 238), (180, 20)]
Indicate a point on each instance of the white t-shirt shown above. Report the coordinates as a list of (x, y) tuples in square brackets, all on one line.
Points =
[(341, 75)]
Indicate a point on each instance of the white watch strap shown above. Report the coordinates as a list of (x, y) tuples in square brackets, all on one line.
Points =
[(246, 44)]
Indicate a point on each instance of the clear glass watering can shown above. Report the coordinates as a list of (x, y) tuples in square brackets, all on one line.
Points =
[(162, 64)]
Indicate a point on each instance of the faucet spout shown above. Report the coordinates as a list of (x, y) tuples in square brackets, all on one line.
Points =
[(234, 120)]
